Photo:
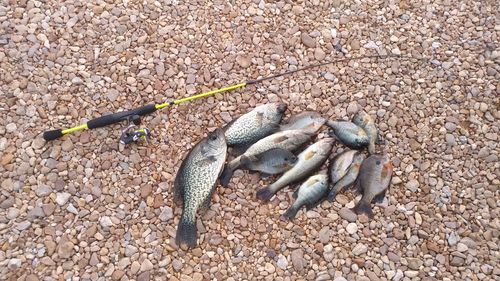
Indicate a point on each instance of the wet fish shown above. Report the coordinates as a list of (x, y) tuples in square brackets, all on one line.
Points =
[(254, 125), (365, 121), (195, 183), (310, 194), (349, 178), (339, 164), (349, 134), (271, 162), (289, 140), (374, 178), (310, 121), (309, 161)]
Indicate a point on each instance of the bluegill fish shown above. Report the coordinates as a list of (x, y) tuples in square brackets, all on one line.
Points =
[(271, 162), (309, 121), (373, 180), (349, 178), (365, 121), (289, 140), (349, 134), (254, 125), (339, 164), (195, 183), (310, 194), (309, 161)]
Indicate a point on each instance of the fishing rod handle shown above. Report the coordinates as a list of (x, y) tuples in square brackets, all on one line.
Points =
[(119, 116), (101, 121)]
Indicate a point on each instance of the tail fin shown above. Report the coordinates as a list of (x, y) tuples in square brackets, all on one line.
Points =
[(228, 172), (186, 232), (363, 207), (290, 213), (332, 194), (265, 194)]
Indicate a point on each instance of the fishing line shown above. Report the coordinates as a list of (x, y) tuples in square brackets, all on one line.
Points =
[(133, 116)]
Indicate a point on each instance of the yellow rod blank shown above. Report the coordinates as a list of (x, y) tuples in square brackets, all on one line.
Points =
[(202, 95), (74, 129)]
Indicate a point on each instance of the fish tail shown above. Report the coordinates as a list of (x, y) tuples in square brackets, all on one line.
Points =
[(265, 194), (290, 213), (228, 172), (371, 147), (186, 232), (363, 207), (332, 194)]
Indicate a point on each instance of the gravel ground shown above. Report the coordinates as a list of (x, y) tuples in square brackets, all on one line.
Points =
[(84, 208)]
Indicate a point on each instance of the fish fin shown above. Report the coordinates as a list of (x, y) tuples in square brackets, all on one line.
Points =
[(264, 175), (205, 205), (290, 213), (265, 194), (226, 176), (356, 186), (295, 193), (239, 149), (186, 232), (178, 187), (380, 197), (207, 160), (363, 207), (280, 139), (312, 205), (380, 140), (229, 124), (332, 194)]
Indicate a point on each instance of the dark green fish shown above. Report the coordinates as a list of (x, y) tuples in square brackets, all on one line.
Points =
[(374, 178), (309, 121), (309, 161), (349, 134), (254, 125), (310, 194), (365, 121), (195, 183), (289, 140), (349, 178), (271, 162)]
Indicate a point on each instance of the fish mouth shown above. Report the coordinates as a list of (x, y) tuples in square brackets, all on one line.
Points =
[(282, 107)]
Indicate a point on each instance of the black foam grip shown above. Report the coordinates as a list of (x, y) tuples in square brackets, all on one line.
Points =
[(52, 135), (119, 116)]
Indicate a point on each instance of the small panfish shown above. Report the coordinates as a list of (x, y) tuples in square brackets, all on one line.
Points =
[(309, 161), (195, 183), (254, 125), (365, 121), (349, 134), (310, 121), (271, 162), (349, 178), (374, 178), (288, 140), (339, 164), (310, 194)]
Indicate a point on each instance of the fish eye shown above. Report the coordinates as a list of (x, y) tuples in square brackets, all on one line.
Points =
[(213, 137), (378, 162)]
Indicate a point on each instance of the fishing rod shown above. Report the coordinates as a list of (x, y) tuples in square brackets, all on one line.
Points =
[(133, 116)]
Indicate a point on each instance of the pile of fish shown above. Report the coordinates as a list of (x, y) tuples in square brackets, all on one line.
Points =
[(272, 148)]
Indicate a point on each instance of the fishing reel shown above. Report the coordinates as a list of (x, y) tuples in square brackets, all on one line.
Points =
[(130, 134)]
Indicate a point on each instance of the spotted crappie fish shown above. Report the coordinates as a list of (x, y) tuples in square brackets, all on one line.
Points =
[(195, 183), (254, 125)]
